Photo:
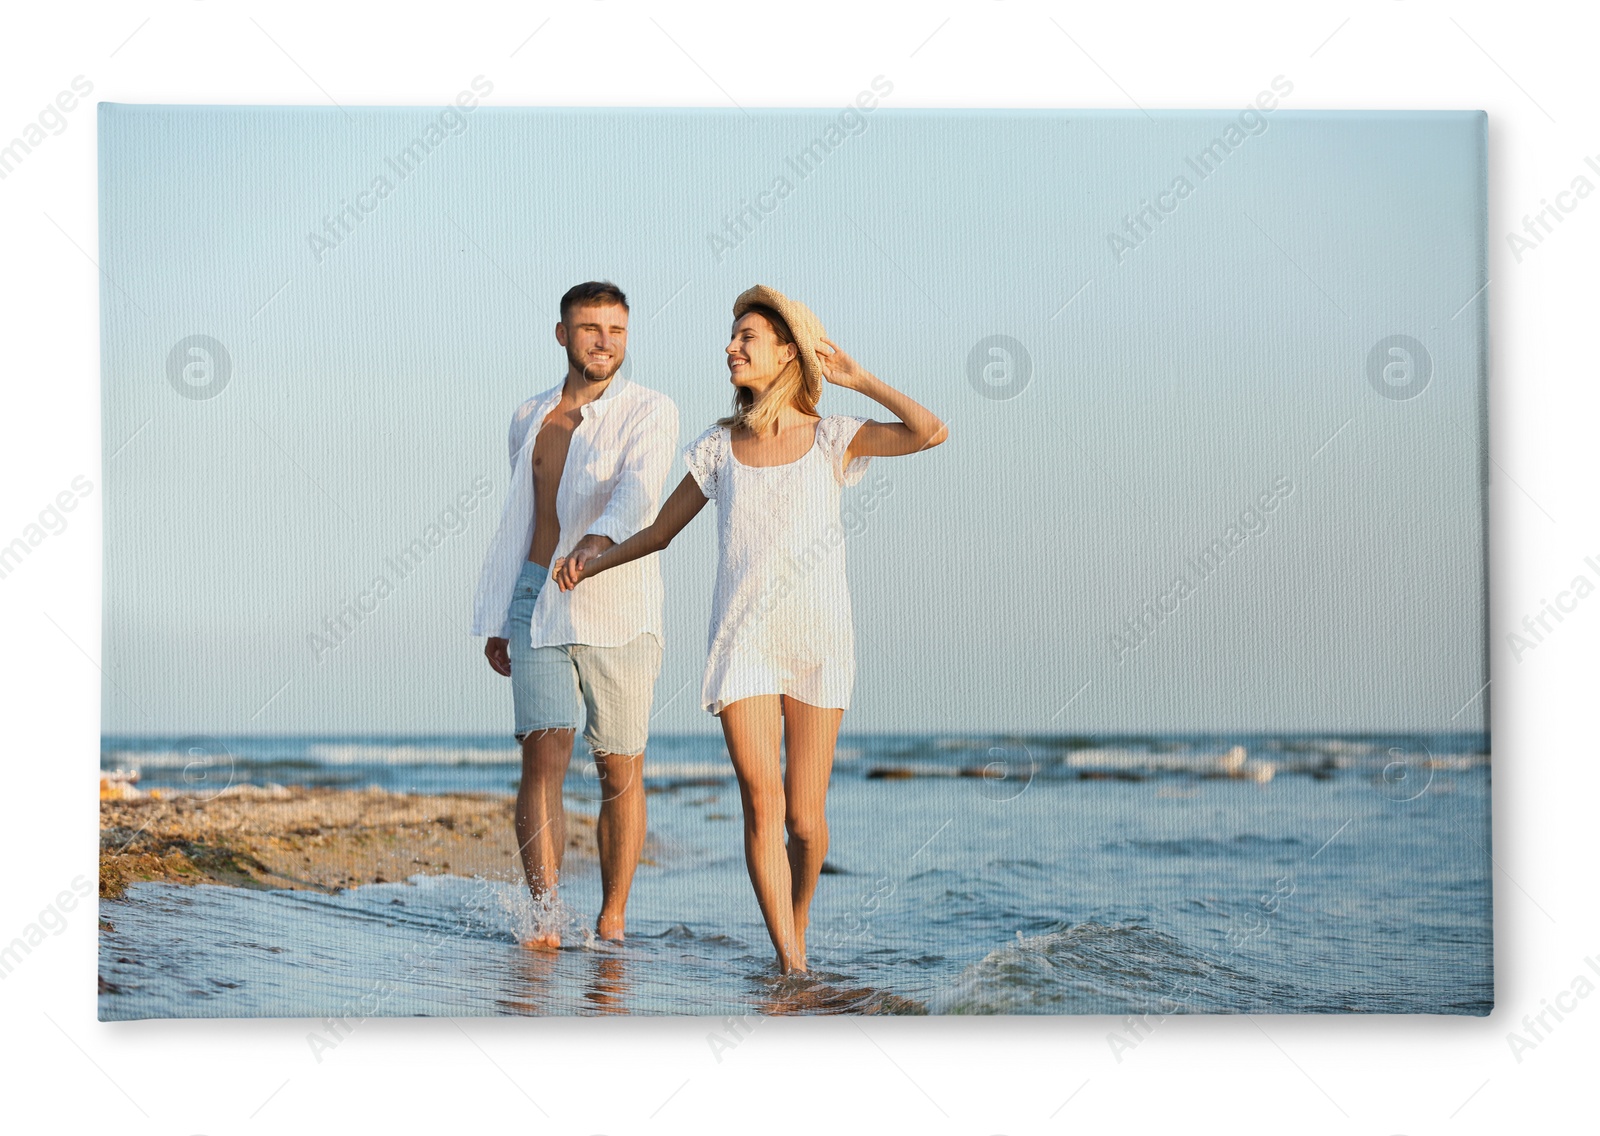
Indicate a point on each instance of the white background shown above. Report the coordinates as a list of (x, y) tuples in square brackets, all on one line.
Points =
[(1530, 66)]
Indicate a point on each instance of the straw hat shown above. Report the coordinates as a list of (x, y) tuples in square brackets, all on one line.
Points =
[(803, 324)]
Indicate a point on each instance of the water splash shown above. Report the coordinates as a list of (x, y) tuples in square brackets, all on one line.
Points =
[(511, 909)]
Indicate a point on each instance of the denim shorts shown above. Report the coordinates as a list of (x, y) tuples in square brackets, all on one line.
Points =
[(605, 690)]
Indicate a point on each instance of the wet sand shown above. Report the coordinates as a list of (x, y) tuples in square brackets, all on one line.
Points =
[(315, 839)]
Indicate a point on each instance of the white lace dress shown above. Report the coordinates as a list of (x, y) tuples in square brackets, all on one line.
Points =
[(780, 617)]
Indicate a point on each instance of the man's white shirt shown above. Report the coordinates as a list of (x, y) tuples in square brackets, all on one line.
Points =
[(617, 464)]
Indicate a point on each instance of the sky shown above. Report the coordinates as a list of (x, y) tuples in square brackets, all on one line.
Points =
[(1153, 391)]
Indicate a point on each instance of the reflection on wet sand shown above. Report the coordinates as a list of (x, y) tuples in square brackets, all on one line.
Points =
[(810, 994), (608, 988), (542, 983), (535, 970)]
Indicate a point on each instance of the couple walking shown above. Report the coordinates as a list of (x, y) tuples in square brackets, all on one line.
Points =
[(570, 594)]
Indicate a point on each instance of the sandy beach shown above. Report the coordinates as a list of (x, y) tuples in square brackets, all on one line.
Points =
[(1177, 870), (315, 839)]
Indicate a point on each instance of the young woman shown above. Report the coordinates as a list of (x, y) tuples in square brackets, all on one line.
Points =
[(781, 660)]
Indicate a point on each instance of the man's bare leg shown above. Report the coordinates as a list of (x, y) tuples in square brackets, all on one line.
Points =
[(619, 834), (541, 817)]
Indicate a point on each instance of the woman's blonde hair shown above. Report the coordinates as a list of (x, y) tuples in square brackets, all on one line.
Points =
[(759, 413)]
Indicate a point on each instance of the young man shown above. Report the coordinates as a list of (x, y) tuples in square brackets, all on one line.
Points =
[(588, 461)]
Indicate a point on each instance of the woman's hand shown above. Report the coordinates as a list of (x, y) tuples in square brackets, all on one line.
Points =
[(596, 554), (838, 368), (574, 566), (569, 570)]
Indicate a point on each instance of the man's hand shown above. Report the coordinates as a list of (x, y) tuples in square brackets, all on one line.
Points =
[(591, 545), (570, 568), (495, 650)]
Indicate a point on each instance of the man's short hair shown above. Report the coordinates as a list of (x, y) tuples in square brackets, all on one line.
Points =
[(592, 292)]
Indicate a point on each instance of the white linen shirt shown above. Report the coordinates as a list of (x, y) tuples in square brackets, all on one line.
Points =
[(618, 461)]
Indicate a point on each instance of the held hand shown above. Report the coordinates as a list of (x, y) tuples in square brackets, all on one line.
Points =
[(571, 569), (592, 545), (838, 368), (498, 654), (574, 566)]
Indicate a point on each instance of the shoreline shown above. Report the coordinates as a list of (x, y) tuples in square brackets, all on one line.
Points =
[(326, 840)]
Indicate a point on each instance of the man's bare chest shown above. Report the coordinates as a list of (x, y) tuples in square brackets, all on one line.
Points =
[(551, 446)]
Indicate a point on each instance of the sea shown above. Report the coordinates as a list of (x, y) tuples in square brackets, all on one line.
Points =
[(967, 874)]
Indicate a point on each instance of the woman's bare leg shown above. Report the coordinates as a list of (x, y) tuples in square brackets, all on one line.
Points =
[(753, 729), (809, 735)]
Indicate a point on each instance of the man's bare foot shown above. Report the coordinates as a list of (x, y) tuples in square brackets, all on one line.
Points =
[(609, 927), (550, 941)]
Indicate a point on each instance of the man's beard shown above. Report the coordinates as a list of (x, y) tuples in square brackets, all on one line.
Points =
[(591, 371)]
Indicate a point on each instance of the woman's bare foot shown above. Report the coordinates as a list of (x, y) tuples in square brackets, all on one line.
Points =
[(793, 961), (548, 941), (609, 927)]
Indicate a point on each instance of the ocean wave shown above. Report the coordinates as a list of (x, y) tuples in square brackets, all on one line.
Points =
[(355, 753), (679, 771), (1092, 968), (1246, 845), (311, 756), (1045, 759), (341, 755), (135, 760)]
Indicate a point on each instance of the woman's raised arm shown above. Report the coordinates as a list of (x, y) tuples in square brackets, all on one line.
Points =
[(918, 429)]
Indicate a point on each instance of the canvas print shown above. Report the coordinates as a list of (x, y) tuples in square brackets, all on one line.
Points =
[(863, 560)]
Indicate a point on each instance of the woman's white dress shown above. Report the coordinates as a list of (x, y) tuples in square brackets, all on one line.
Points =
[(780, 617)]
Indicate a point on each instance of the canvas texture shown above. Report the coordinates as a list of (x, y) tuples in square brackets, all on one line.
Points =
[(1132, 541)]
